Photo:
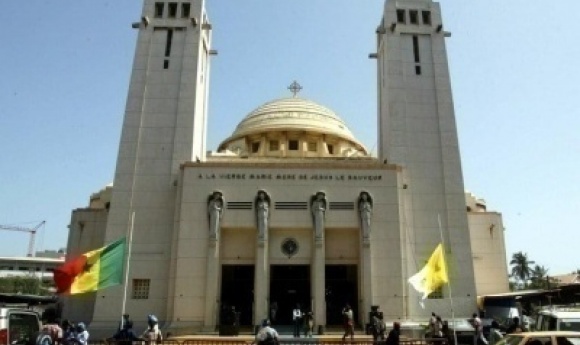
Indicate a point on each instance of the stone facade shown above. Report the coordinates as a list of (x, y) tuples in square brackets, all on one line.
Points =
[(291, 208)]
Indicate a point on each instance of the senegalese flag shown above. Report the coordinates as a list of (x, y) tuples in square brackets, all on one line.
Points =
[(432, 276), (92, 271)]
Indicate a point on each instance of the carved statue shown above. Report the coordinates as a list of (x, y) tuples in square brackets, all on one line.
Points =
[(365, 208), (318, 209), (215, 207), (262, 206)]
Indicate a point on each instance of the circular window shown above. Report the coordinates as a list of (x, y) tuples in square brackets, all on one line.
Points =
[(289, 247)]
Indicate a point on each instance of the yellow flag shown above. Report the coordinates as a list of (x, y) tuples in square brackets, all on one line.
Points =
[(433, 275)]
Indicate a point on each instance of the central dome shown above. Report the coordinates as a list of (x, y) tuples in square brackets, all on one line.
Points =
[(293, 115)]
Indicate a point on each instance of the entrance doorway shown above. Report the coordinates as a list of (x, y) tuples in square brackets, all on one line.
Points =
[(341, 288), (289, 285), (238, 291)]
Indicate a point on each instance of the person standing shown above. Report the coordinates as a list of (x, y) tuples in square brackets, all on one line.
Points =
[(267, 335), (348, 317), (82, 335), (296, 319), (152, 334), (478, 335), (394, 335), (494, 333), (308, 324)]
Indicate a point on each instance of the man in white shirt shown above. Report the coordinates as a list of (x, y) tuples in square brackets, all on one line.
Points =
[(296, 320), (478, 336)]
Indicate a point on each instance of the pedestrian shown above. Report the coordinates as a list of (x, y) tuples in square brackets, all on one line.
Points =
[(68, 332), (431, 330), (308, 324), (394, 335), (126, 336), (51, 327), (494, 333), (348, 317), (152, 334), (296, 320), (378, 327), (478, 337), (515, 327), (82, 335), (267, 335)]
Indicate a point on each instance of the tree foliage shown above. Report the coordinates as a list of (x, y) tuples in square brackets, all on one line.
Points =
[(521, 268), (23, 285)]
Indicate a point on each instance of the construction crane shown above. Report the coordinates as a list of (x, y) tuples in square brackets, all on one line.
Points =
[(32, 232)]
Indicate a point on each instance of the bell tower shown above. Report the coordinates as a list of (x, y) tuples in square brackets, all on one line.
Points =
[(417, 130), (164, 126)]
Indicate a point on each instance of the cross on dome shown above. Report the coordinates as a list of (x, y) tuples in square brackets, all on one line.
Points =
[(294, 88)]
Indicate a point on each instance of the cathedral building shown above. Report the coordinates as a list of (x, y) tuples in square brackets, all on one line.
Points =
[(291, 208)]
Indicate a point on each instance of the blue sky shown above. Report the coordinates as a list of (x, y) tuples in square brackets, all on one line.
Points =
[(65, 67)]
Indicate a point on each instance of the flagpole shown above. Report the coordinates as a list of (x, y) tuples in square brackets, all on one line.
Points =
[(130, 240), (449, 282)]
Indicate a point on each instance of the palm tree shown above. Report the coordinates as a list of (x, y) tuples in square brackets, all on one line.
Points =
[(521, 268), (539, 277)]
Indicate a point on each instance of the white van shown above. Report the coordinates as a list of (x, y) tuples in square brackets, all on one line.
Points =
[(18, 326), (558, 319)]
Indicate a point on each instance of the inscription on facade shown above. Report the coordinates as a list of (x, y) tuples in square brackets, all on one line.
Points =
[(302, 177)]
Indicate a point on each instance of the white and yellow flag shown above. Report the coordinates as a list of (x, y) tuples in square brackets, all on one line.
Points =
[(432, 276)]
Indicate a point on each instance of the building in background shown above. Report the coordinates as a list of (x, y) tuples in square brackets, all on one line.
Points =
[(290, 208)]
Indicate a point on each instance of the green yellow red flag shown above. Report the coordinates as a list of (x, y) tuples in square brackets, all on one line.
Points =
[(92, 271)]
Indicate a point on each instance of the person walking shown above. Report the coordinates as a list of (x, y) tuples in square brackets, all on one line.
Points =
[(478, 337), (296, 320), (267, 335), (348, 317)]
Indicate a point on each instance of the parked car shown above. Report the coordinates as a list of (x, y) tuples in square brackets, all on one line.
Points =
[(541, 338), (464, 331), (18, 326), (559, 319)]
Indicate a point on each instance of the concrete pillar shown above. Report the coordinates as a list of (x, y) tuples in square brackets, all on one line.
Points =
[(212, 286), (318, 277), (261, 283)]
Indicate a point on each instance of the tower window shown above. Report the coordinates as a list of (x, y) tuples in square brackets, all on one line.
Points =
[(426, 17), (168, 42), (312, 147), (401, 16), (416, 49), (418, 70), (293, 145), (159, 9), (172, 10), (414, 17), (255, 147), (330, 149), (274, 145), (185, 10), (165, 64)]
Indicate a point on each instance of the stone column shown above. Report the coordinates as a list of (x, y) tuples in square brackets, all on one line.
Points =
[(318, 277), (211, 286), (366, 275), (261, 283)]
